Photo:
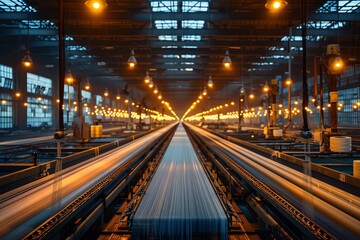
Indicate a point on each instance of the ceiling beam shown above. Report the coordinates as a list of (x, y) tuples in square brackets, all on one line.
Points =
[(178, 16), (98, 33)]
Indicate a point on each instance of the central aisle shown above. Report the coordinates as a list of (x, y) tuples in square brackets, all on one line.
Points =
[(180, 202)]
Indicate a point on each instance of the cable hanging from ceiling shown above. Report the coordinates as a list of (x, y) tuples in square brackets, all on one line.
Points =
[(27, 60), (132, 60)]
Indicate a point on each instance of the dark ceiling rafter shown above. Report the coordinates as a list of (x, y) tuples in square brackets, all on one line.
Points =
[(129, 24)]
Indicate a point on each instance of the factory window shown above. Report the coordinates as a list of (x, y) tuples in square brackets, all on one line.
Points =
[(99, 100), (68, 105), (6, 111), (347, 115), (6, 77), (39, 85), (39, 112), (164, 6), (86, 100)]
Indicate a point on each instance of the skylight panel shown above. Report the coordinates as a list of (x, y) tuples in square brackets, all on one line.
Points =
[(167, 38), (189, 47), (191, 38), (164, 6), (76, 48), (15, 6), (275, 57), (195, 6), (263, 63), (344, 6), (170, 56), (188, 56), (276, 49), (193, 24), (168, 46), (165, 24)]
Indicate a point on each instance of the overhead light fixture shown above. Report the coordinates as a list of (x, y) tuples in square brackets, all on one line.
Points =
[(276, 4), (242, 90), (227, 60), (27, 60), (147, 77), (338, 63), (160, 97), (151, 83), (204, 91), (87, 85), (69, 77), (266, 87), (251, 96), (132, 60), (118, 96), (210, 83), (156, 90), (288, 81), (106, 92), (96, 4)]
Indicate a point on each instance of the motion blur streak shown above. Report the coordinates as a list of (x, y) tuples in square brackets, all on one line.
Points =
[(334, 209), (26, 210)]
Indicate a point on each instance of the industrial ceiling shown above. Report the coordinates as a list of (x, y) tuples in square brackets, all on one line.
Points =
[(181, 43)]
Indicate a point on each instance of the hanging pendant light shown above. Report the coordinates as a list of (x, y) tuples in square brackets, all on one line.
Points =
[(69, 77), (118, 96), (156, 90), (276, 4), (227, 60), (251, 96), (204, 91), (337, 64), (151, 83), (87, 85), (266, 87), (210, 83), (159, 97), (132, 60), (27, 60), (242, 90), (96, 4), (147, 77), (106, 92)]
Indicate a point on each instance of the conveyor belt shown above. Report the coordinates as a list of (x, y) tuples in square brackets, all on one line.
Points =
[(180, 202), (21, 211), (335, 210)]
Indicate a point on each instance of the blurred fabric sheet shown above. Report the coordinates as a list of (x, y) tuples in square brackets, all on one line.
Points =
[(180, 202)]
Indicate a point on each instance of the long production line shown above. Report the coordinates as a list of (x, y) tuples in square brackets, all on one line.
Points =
[(180, 202), (21, 212), (334, 209), (41, 139)]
